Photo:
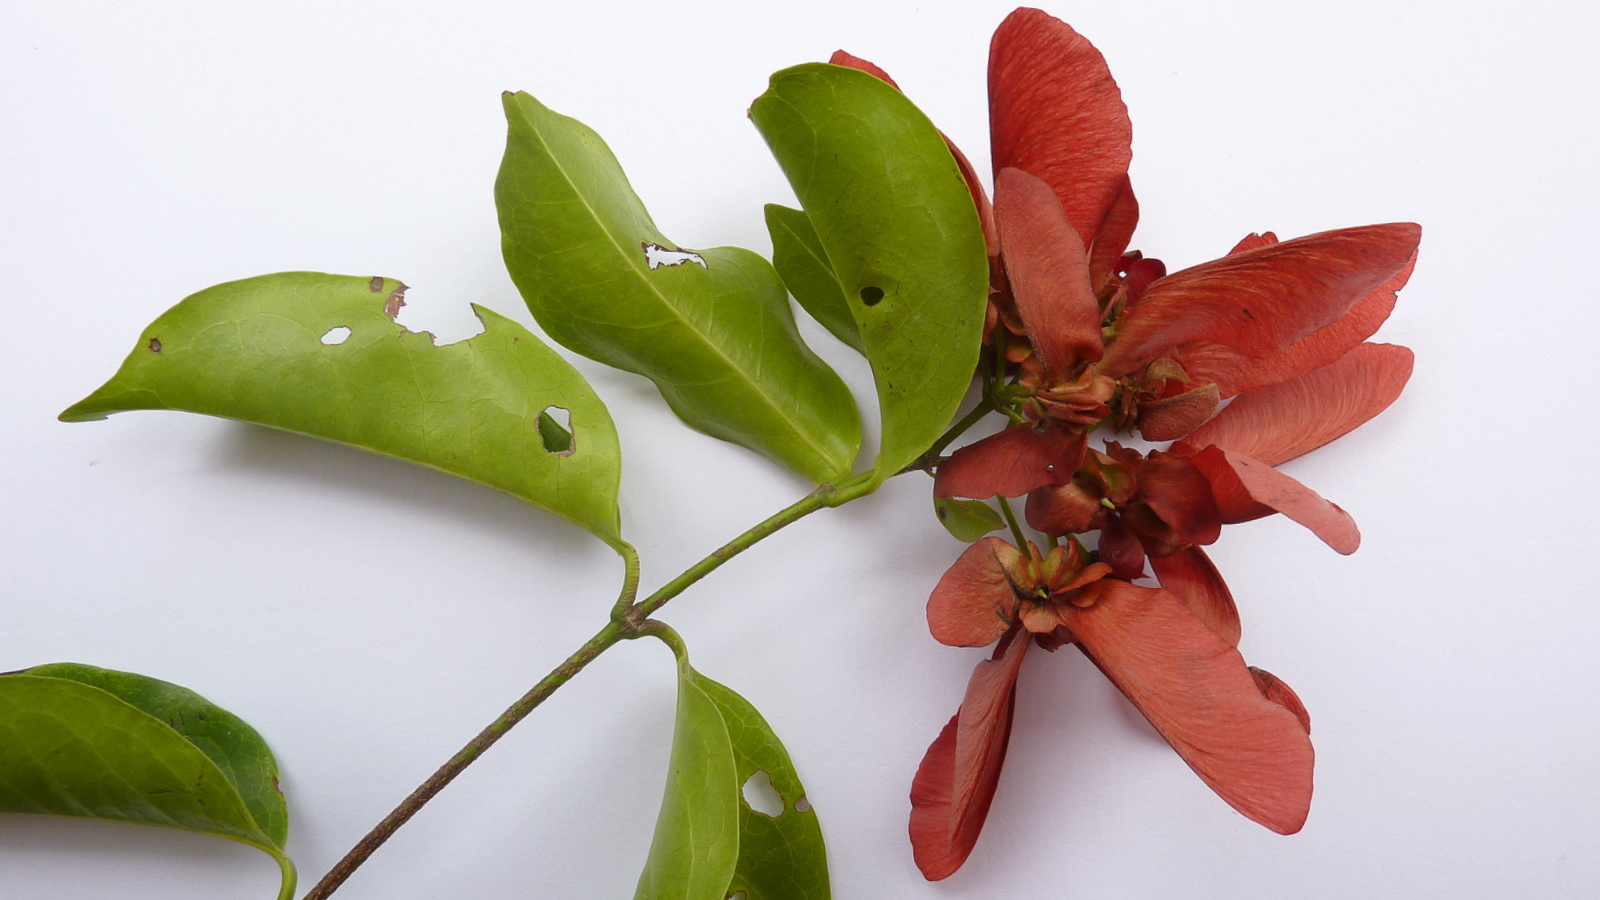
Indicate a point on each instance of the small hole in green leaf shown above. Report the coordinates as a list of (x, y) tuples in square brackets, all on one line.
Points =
[(336, 336), (737, 895), (761, 796), (871, 294), (555, 431), (802, 805)]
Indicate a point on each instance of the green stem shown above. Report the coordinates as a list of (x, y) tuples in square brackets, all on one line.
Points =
[(286, 867), (630, 581), (1016, 530), (663, 632), (821, 498), (985, 406)]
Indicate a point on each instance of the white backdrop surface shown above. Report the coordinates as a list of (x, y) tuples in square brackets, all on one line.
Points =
[(369, 616)]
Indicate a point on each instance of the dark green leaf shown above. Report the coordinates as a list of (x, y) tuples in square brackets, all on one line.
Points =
[(320, 355), (798, 256), (709, 842), (712, 328), (77, 740), (966, 520), (894, 215)]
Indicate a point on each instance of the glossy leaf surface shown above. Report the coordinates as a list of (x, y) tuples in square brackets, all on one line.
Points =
[(77, 740), (254, 350), (709, 843), (799, 257), (893, 212), (711, 328)]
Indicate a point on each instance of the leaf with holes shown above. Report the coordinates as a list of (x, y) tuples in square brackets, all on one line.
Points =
[(781, 857), (710, 843), (77, 740), (899, 227), (801, 261), (711, 328), (321, 355)]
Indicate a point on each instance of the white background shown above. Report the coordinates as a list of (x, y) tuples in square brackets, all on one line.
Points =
[(369, 616)]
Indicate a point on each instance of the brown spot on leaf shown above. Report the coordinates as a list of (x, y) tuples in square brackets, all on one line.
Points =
[(397, 299), (376, 284), (155, 345)]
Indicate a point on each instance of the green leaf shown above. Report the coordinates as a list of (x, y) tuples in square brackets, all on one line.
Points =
[(898, 225), (77, 740), (799, 257), (709, 843), (713, 328), (269, 350), (781, 857), (966, 520)]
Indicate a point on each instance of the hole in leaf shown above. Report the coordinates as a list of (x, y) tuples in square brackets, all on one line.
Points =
[(155, 345), (336, 335), (656, 256), (737, 895), (555, 431), (871, 294), (761, 796), (802, 805)]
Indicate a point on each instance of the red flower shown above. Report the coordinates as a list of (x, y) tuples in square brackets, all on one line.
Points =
[(1096, 334), (1242, 731)]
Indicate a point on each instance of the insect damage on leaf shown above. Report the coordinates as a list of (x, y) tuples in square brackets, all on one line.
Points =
[(555, 431), (397, 299), (336, 336), (760, 795), (657, 256)]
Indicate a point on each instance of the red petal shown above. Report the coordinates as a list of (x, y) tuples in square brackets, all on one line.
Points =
[(1235, 373), (1195, 689), (955, 784), (1234, 503), (1063, 509), (1011, 463), (1174, 417), (1261, 301), (1121, 550), (972, 604), (1055, 111), (1271, 488), (1048, 271), (1105, 251), (1273, 688), (1180, 494), (1252, 241), (1190, 576), (841, 58), (1139, 275), (1278, 423)]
